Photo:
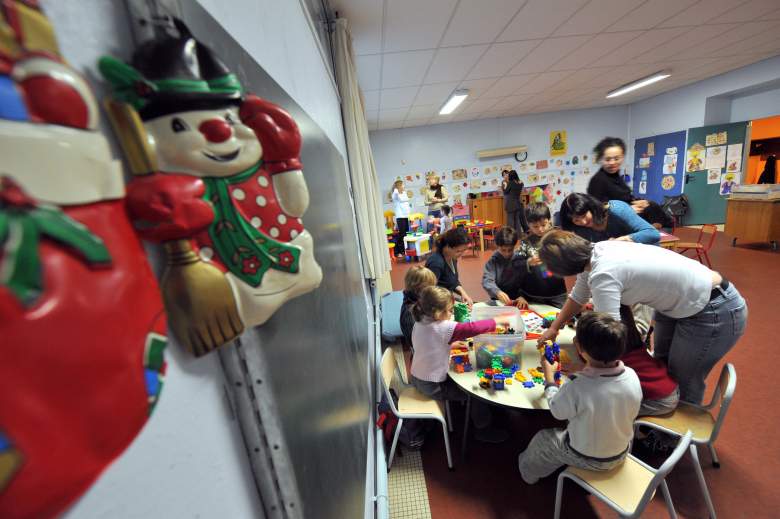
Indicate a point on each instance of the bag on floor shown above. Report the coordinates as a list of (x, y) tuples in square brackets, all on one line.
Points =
[(412, 435)]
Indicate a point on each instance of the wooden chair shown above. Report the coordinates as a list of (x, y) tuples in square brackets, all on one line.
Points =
[(628, 487), (700, 420), (699, 246), (411, 404)]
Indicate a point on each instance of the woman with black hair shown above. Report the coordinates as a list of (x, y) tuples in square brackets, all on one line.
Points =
[(444, 262), (607, 183), (597, 221), (515, 212)]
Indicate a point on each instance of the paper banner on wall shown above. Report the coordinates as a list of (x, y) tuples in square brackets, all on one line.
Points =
[(728, 181), (558, 142), (716, 157), (668, 182), (695, 158), (713, 176), (723, 138), (670, 164)]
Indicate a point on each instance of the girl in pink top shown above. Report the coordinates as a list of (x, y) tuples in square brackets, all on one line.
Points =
[(432, 336)]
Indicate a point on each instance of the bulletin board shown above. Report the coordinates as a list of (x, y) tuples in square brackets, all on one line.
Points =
[(659, 166), (713, 166)]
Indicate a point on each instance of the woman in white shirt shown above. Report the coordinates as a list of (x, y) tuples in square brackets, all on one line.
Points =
[(401, 208), (699, 314)]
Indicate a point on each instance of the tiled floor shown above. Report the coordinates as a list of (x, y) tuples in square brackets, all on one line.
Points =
[(407, 489)]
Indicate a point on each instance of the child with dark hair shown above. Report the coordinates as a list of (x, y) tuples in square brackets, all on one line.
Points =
[(660, 393), (502, 274), (445, 222), (596, 221), (538, 285), (600, 404)]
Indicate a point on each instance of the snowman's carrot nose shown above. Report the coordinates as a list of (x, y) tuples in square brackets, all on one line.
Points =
[(215, 130)]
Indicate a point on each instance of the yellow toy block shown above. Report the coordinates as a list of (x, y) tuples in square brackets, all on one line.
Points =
[(519, 377), (508, 381)]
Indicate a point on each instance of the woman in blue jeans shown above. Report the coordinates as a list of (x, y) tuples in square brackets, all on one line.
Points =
[(699, 314)]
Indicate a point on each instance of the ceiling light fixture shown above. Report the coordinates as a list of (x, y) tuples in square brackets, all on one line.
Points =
[(456, 98), (639, 83)]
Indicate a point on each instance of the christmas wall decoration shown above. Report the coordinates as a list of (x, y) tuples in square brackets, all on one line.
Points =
[(81, 317), (219, 183)]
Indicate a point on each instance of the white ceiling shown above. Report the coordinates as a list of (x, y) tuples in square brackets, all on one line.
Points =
[(528, 56)]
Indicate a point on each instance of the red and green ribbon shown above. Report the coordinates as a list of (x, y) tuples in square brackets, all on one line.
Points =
[(23, 223), (245, 251)]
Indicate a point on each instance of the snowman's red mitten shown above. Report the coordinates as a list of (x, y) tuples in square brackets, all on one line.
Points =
[(277, 132), (167, 207)]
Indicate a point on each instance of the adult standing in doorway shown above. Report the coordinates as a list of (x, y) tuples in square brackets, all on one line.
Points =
[(699, 314), (435, 197), (444, 262), (513, 205), (401, 208), (607, 184)]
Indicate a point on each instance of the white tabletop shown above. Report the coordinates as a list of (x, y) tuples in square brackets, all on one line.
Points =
[(515, 395)]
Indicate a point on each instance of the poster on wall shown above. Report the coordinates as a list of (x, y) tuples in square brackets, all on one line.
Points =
[(734, 157), (695, 158), (713, 176), (728, 181), (716, 157), (670, 164), (558, 143), (658, 177)]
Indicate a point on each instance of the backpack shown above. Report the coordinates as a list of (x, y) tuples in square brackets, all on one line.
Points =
[(676, 206), (413, 431)]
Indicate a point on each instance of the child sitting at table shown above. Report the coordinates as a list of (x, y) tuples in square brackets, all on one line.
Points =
[(539, 286), (433, 333), (503, 273), (417, 278), (445, 222), (660, 393), (600, 403)]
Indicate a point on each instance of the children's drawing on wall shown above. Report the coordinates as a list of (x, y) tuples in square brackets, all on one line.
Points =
[(728, 182), (716, 157), (455, 188), (670, 164), (541, 164), (558, 142), (695, 159), (644, 161), (476, 185), (711, 139), (474, 172), (643, 182), (459, 174), (734, 158), (723, 138), (650, 149), (668, 182), (575, 160), (713, 176)]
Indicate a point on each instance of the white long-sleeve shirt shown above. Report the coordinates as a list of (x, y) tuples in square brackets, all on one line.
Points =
[(600, 405), (631, 273), (401, 206)]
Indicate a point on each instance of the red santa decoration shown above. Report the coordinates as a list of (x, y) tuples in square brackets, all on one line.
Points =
[(222, 188), (82, 328)]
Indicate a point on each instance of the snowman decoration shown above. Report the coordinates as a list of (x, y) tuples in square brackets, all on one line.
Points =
[(221, 186)]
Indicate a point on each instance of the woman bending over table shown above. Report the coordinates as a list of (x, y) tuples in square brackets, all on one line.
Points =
[(444, 262), (699, 314)]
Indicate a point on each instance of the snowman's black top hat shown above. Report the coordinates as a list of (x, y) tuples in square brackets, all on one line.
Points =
[(172, 74)]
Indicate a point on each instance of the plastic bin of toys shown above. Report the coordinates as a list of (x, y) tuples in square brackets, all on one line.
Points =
[(506, 347)]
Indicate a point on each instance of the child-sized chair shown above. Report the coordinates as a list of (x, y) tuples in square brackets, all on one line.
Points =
[(701, 249), (411, 404), (699, 419), (628, 487)]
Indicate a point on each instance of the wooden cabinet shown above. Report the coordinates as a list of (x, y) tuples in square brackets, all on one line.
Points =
[(488, 209), (753, 220)]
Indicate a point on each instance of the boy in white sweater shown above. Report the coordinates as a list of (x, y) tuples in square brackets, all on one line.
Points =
[(600, 403)]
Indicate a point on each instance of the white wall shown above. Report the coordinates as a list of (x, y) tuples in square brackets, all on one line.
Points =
[(444, 147), (685, 107), (278, 35), (756, 106), (190, 459)]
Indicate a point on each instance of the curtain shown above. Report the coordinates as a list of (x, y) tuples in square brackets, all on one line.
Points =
[(365, 187)]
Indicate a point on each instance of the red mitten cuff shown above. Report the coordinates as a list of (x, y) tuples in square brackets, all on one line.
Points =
[(282, 166), (168, 207)]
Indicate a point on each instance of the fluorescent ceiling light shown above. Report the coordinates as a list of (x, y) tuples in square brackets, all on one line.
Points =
[(658, 76), (454, 101)]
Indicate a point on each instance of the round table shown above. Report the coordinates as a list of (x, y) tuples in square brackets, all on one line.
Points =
[(515, 395)]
